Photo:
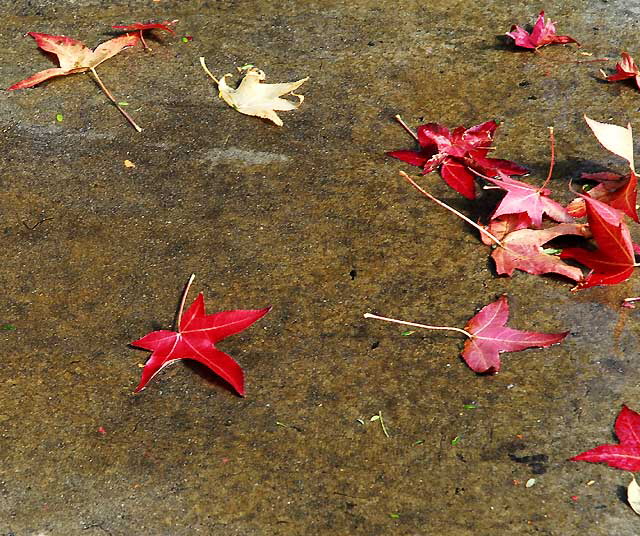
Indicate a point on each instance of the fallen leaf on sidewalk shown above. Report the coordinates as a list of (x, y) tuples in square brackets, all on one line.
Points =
[(543, 33), (253, 97), (195, 339)]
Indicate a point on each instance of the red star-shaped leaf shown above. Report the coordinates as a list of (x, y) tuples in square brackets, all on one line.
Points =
[(489, 337), (458, 154), (522, 197), (543, 33), (142, 26), (195, 339), (626, 68), (613, 261), (625, 455)]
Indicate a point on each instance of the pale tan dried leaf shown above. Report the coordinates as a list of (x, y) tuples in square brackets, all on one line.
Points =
[(633, 495), (618, 140), (253, 97)]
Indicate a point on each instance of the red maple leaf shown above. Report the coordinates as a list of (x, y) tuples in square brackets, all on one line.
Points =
[(75, 57), (543, 33), (626, 68), (458, 154), (613, 261), (615, 190), (522, 197), (488, 336), (522, 250), (625, 455), (142, 26), (195, 339)]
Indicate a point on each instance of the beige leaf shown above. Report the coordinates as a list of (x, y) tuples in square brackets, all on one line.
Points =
[(633, 495), (252, 97), (618, 140)]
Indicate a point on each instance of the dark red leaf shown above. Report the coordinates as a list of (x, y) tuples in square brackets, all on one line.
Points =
[(613, 261), (141, 26), (458, 154)]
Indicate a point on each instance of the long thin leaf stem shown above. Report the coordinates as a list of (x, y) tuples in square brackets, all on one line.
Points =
[(553, 158), (405, 126), (113, 100), (450, 209), (184, 299), (384, 428), (413, 324), (206, 70)]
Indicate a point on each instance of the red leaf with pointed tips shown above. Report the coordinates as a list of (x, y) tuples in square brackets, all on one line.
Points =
[(543, 33), (523, 250), (458, 154), (73, 56), (614, 190), (522, 197), (142, 26), (625, 455), (490, 337), (626, 68), (613, 261), (195, 339)]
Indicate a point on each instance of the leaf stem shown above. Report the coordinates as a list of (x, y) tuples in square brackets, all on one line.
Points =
[(206, 70), (450, 209), (384, 428), (405, 126), (144, 43), (113, 100), (553, 158), (413, 324), (184, 299)]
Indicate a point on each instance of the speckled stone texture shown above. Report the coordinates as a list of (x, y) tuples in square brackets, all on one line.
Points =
[(313, 219)]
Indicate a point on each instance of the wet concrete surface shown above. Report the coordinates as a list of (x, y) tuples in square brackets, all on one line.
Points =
[(312, 219)]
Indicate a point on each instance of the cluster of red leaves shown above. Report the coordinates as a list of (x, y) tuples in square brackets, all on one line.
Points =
[(517, 230), (626, 454)]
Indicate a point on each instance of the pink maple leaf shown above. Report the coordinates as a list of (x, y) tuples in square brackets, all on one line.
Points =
[(535, 202), (488, 336), (543, 33)]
